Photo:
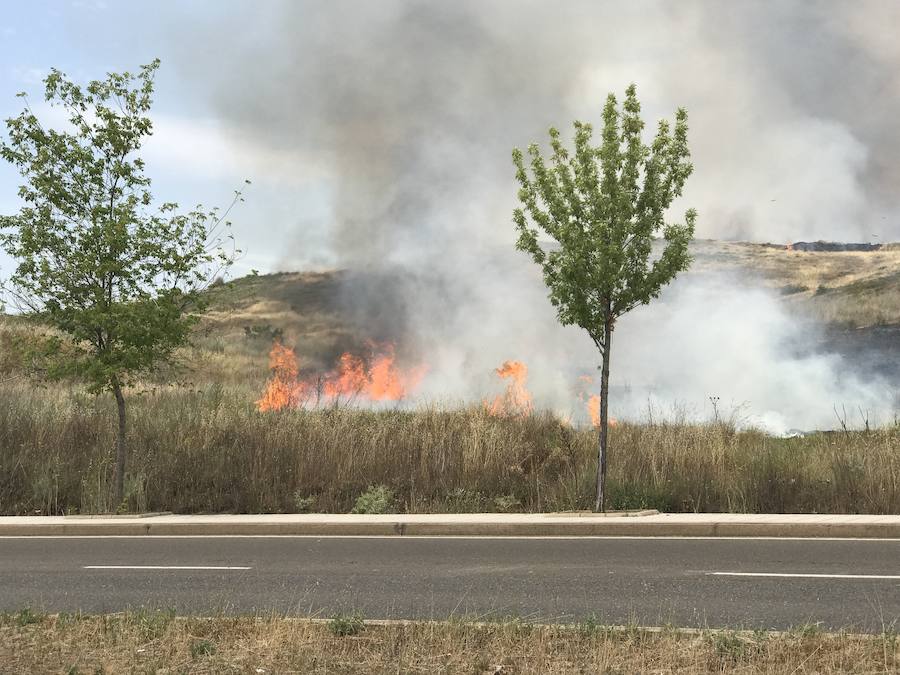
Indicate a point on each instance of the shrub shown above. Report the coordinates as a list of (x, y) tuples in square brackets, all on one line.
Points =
[(343, 625), (507, 503), (377, 499), (202, 648), (303, 503)]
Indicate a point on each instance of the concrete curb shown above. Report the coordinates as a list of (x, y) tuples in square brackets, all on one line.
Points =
[(640, 524)]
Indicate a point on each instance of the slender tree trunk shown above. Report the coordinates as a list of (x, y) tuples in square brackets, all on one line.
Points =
[(120, 445), (600, 504)]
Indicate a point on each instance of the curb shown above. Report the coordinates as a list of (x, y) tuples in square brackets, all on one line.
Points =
[(539, 525)]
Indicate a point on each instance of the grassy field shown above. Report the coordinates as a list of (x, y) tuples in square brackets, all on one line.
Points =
[(204, 447), (161, 642), (212, 451)]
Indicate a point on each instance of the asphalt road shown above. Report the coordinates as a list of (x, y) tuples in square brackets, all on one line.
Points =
[(737, 583)]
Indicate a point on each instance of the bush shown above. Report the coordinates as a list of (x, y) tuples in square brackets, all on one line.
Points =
[(202, 648), (377, 499), (507, 503), (343, 625), (303, 503)]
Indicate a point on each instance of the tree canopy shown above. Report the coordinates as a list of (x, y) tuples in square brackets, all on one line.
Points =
[(601, 208), (95, 258)]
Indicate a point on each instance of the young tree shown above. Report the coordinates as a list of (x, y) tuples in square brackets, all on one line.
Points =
[(602, 208), (118, 279)]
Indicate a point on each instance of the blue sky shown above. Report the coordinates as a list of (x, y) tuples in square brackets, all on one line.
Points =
[(192, 158)]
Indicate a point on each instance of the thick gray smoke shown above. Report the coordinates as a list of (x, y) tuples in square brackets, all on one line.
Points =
[(411, 108)]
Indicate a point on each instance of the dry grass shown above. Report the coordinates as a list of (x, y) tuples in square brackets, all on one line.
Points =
[(212, 451), (159, 642), (855, 289), (205, 448)]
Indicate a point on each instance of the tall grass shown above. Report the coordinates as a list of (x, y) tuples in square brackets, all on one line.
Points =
[(211, 451)]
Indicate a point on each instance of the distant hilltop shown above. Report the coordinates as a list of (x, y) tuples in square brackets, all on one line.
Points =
[(829, 246)]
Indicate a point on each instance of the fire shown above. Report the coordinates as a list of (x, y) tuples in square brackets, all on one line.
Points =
[(283, 390), (352, 379), (789, 247), (592, 402), (593, 406), (516, 400), (380, 380)]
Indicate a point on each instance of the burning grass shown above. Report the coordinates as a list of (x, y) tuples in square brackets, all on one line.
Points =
[(148, 642), (213, 451), (353, 379)]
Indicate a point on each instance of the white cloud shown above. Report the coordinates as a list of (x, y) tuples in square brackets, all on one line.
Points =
[(204, 148)]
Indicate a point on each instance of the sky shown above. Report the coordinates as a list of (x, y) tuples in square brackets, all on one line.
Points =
[(191, 157), (793, 105)]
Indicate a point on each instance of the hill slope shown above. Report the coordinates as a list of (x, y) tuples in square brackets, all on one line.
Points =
[(856, 293)]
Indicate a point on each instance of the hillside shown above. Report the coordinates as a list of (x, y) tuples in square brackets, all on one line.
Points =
[(854, 289), (857, 294)]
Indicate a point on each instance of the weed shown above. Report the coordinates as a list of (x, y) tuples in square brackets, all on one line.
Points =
[(507, 503), (591, 625), (808, 630), (303, 503), (152, 623), (462, 500), (377, 499), (202, 648), (343, 625), (27, 616), (64, 619)]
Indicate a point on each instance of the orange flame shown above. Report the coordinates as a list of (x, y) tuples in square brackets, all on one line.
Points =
[(593, 406), (352, 378), (516, 400), (282, 389), (592, 402), (381, 380)]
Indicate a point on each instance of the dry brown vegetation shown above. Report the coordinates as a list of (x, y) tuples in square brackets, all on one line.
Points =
[(204, 447), (212, 451), (854, 289), (849, 289), (157, 642)]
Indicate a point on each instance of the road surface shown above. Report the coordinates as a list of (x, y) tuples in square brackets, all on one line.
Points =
[(738, 583)]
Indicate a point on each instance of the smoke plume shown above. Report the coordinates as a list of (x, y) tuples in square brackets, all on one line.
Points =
[(411, 108)]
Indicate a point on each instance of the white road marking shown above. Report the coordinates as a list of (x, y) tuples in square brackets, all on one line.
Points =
[(165, 567), (803, 575)]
